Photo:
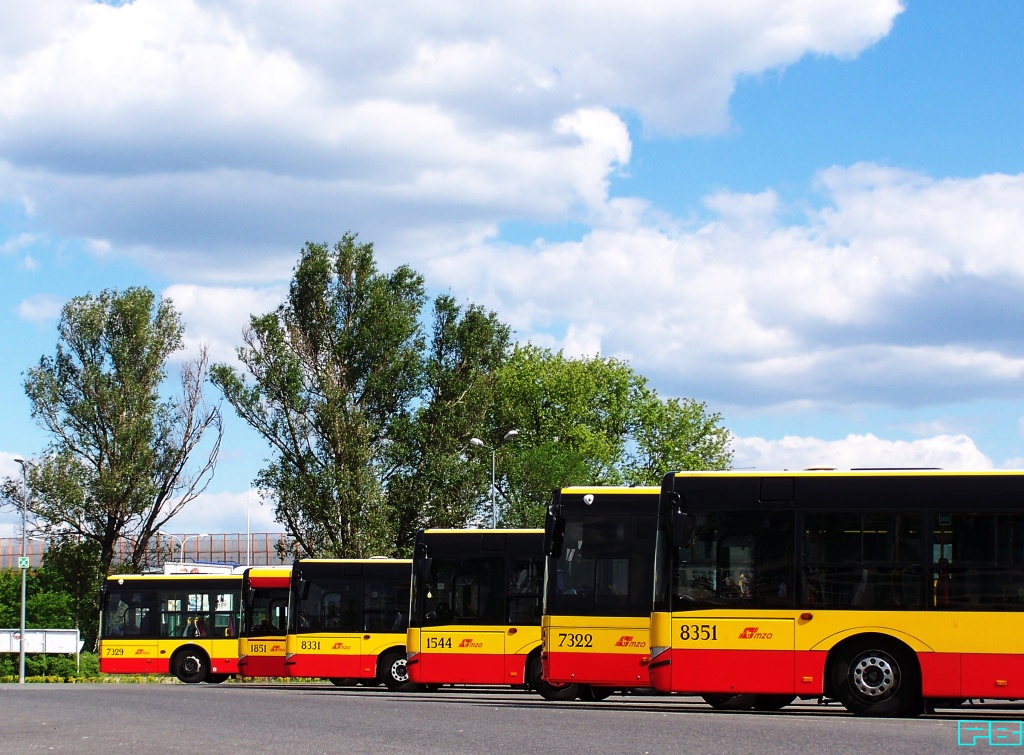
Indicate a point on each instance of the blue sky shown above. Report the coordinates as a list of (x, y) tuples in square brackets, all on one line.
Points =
[(806, 214)]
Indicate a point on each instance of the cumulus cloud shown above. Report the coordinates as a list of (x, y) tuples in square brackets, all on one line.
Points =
[(216, 316), (193, 136), (881, 294), (225, 512), (858, 451), (40, 308)]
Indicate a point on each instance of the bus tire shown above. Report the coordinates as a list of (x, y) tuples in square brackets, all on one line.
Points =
[(547, 690), (191, 665), (768, 703), (588, 693), (932, 704), (724, 701), (877, 676), (217, 678), (394, 672)]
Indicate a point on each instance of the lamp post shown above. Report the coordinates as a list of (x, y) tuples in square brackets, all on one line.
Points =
[(23, 563), (186, 539), (477, 442), (182, 540)]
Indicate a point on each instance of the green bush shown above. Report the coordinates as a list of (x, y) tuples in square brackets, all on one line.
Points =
[(50, 668)]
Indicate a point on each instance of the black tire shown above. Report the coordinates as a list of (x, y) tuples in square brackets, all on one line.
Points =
[(394, 672), (722, 701), (216, 678), (932, 704), (191, 665), (547, 690), (343, 681), (772, 702), (876, 676), (588, 693)]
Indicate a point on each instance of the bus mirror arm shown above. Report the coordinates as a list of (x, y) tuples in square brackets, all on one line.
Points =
[(682, 528), (554, 534)]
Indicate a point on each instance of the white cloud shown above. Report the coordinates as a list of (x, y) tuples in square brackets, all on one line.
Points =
[(195, 136), (858, 451), (216, 315), (40, 308), (225, 513), (883, 294)]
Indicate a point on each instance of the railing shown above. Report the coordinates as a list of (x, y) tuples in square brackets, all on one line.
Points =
[(256, 549)]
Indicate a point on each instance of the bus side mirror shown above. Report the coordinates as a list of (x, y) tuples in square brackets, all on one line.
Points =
[(250, 598), (425, 564), (682, 528), (554, 534)]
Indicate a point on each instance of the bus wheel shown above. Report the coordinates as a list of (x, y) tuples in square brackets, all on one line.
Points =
[(590, 694), (729, 702), (772, 702), (217, 678), (191, 665), (343, 681), (877, 677), (932, 704), (548, 690), (394, 671)]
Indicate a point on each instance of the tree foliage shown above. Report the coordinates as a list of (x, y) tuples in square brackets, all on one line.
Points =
[(365, 414), (118, 463), (590, 422)]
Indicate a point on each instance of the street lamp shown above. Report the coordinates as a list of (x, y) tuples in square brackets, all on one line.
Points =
[(183, 540), (23, 563), (477, 442)]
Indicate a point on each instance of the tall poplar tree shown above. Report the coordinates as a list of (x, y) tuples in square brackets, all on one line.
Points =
[(365, 414), (123, 459)]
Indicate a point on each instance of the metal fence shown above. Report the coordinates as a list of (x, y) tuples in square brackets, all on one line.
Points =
[(255, 549)]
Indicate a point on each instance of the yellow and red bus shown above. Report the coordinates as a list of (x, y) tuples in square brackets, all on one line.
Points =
[(347, 620), (261, 640), (891, 591), (476, 607), (597, 595), (182, 624)]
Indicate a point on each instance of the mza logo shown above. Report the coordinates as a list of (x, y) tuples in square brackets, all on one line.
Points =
[(627, 641), (751, 633), (276, 648), (140, 651), (468, 643), (340, 646)]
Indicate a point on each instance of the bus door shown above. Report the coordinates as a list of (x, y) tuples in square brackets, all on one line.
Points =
[(463, 640), (130, 634), (728, 640), (339, 630)]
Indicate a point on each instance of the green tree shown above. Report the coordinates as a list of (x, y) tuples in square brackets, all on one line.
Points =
[(589, 421), (363, 412), (72, 567), (118, 464), (44, 608)]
